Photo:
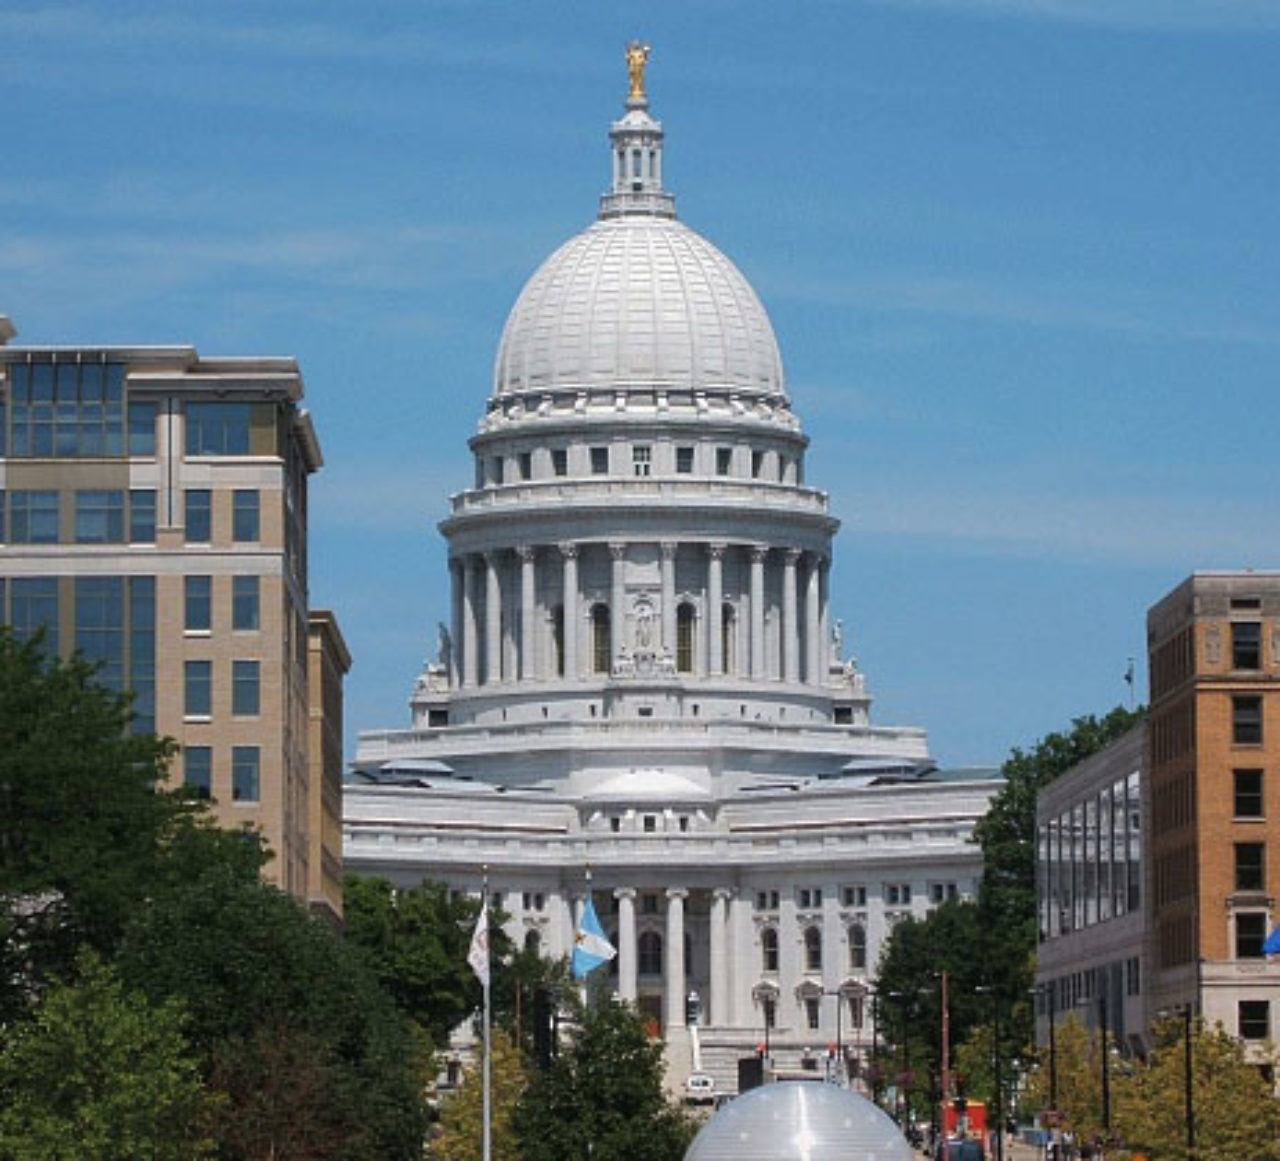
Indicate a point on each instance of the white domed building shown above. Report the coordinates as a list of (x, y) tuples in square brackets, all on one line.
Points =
[(642, 688)]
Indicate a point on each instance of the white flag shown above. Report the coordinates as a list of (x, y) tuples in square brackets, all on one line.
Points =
[(478, 956)]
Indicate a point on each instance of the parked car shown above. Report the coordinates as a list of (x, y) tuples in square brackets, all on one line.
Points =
[(700, 1089)]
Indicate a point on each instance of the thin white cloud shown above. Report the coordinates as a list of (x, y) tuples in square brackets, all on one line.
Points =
[(1153, 15), (1125, 310), (1139, 529)]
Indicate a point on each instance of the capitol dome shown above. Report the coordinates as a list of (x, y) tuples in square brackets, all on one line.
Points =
[(639, 300), (799, 1121), (644, 301)]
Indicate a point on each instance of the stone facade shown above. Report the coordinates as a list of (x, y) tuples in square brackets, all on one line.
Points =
[(642, 691)]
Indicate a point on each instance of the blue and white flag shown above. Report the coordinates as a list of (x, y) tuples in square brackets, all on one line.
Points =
[(1272, 944), (591, 948)]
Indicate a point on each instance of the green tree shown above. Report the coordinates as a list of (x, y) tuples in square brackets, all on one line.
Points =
[(415, 942), (102, 1073), (1236, 1113), (270, 988), (462, 1113), (602, 1099), (1079, 1068), (81, 821)]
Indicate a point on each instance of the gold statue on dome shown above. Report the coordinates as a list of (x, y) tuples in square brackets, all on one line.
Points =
[(637, 58)]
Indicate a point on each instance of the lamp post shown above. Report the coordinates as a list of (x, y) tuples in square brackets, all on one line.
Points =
[(1106, 1070), (875, 1048), (995, 1065), (839, 994), (1187, 1012), (900, 998)]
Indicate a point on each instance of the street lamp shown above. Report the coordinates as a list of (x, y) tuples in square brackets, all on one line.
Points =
[(1186, 1012), (1050, 991), (995, 1059), (839, 994), (1106, 1071)]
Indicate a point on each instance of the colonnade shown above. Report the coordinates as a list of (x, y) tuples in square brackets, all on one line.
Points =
[(483, 582)]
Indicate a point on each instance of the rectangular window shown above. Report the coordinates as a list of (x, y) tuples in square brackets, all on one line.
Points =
[(809, 897), (854, 896), (1254, 1018), (199, 515), (496, 469), (33, 517), (1251, 932), (599, 461), (99, 611), (245, 515), (1251, 867), (813, 1012), (559, 461), (99, 517), (526, 465), (684, 460), (757, 464), (142, 652), (244, 688), (1248, 794), (142, 429), (897, 894), (218, 429), (245, 612), (197, 604), (1246, 645), (142, 516), (197, 697), (66, 409), (197, 770), (724, 460), (33, 605), (642, 459), (245, 774), (1246, 721)]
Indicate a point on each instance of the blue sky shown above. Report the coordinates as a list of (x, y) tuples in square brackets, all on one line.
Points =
[(1022, 257)]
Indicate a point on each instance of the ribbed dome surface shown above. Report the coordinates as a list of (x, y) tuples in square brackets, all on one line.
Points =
[(799, 1121), (638, 301)]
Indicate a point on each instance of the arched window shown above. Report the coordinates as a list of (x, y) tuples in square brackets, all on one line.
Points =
[(728, 623), (650, 953), (685, 616), (533, 943), (812, 949), (601, 640), (857, 948), (769, 949), (557, 638)]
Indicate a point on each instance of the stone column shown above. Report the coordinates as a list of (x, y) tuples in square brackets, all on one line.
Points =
[(470, 651), (455, 622), (720, 999), (492, 620), (627, 964), (715, 610), (528, 560), (617, 598), (835, 958), (758, 553), (790, 962), (790, 629), (824, 600), (675, 956), (813, 628), (743, 965), (668, 551), (569, 587)]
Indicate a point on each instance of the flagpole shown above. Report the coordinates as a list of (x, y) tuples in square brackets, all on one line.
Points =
[(586, 902), (488, 1055)]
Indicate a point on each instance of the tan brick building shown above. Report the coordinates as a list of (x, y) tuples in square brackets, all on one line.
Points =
[(1214, 779), (153, 516)]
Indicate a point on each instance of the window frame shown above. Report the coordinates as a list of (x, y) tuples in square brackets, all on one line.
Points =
[(246, 775), (246, 688)]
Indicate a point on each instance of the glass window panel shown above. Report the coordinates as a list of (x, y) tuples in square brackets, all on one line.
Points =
[(197, 770), (199, 515), (218, 429), (245, 774), (33, 517), (142, 516), (33, 605), (198, 688), (99, 517), (245, 602), (142, 652), (99, 625), (1251, 931), (244, 688), (197, 603), (142, 429), (245, 517), (92, 383)]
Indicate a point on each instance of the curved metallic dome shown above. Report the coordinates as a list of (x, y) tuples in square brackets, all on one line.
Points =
[(638, 301), (799, 1121)]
